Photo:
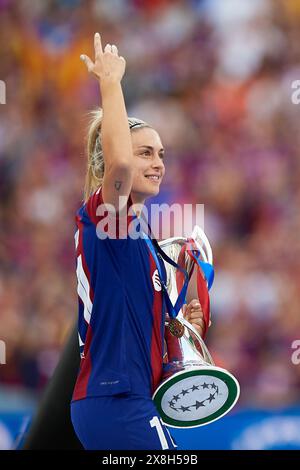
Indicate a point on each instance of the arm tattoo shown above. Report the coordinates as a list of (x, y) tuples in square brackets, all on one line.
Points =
[(118, 185)]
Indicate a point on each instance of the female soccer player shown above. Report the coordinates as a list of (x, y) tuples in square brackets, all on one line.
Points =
[(121, 308)]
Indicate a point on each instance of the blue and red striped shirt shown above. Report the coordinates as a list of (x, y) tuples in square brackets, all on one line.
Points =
[(121, 309)]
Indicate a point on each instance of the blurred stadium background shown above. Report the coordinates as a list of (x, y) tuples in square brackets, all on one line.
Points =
[(214, 77)]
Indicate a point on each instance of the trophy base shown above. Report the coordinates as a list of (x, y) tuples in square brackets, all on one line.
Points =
[(196, 396)]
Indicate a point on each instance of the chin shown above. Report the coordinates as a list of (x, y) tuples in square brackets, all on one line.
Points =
[(153, 193), (146, 193)]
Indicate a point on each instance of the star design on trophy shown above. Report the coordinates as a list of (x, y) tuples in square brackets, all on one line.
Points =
[(213, 391), (185, 408)]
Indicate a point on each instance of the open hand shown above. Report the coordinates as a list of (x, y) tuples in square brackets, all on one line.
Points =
[(108, 65)]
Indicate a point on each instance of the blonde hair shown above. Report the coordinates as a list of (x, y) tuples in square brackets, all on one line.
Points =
[(95, 159)]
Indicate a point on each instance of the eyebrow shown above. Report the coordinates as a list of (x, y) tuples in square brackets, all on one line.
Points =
[(150, 148)]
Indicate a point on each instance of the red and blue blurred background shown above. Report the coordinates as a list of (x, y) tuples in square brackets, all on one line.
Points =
[(214, 78)]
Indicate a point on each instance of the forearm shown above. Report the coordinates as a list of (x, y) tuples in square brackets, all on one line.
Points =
[(115, 133)]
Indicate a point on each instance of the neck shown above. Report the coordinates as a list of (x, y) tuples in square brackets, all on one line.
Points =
[(139, 201)]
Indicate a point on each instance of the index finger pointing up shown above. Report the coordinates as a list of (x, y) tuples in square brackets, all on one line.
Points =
[(97, 45)]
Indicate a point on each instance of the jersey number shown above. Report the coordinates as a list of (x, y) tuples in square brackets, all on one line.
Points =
[(157, 423)]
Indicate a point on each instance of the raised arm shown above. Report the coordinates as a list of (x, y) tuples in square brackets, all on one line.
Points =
[(109, 69)]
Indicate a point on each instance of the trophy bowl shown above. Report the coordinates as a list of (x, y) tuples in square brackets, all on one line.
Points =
[(194, 391)]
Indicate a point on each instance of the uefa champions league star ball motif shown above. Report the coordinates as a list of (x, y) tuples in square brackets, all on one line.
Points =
[(195, 398), (176, 402)]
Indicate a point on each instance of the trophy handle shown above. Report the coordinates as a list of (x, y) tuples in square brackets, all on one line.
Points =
[(205, 250), (206, 355), (198, 236)]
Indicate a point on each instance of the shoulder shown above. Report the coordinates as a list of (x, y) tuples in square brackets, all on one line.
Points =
[(92, 204), (108, 223)]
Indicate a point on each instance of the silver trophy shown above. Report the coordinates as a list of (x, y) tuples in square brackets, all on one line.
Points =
[(193, 391)]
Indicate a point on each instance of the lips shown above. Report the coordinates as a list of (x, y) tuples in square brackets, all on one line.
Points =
[(155, 178)]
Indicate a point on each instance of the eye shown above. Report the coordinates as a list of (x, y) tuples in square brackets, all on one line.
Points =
[(162, 155), (146, 152)]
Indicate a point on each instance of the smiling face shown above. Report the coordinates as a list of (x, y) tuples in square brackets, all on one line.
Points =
[(149, 167)]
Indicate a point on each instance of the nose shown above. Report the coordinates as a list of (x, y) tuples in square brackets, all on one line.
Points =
[(158, 163)]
